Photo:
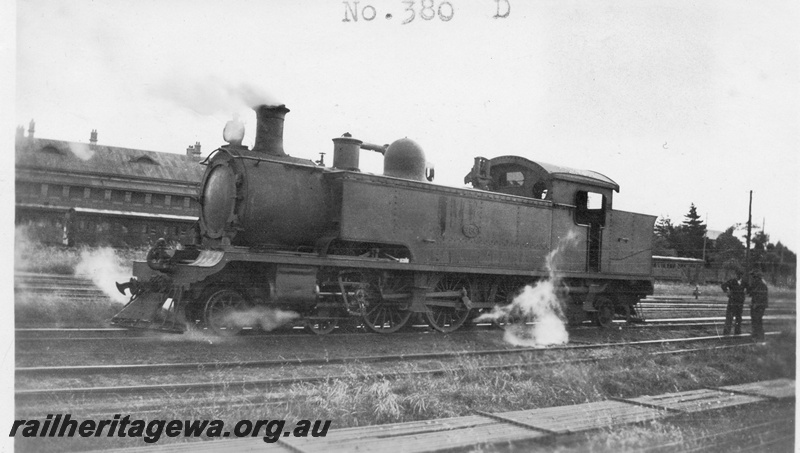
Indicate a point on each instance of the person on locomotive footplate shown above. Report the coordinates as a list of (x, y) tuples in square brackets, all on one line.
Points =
[(735, 289), (758, 304)]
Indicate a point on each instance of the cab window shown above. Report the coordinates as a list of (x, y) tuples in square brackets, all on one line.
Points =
[(512, 178)]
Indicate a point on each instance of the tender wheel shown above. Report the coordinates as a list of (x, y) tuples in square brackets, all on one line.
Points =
[(385, 311), (452, 313), (223, 312), (604, 317)]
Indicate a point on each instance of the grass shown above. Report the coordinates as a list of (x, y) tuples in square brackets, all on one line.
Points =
[(37, 310), (103, 265), (360, 401)]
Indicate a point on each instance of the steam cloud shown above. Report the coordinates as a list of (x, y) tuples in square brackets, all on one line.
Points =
[(81, 150), (266, 318), (101, 265), (104, 268), (539, 303)]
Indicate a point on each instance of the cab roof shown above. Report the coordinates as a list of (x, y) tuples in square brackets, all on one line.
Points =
[(557, 172)]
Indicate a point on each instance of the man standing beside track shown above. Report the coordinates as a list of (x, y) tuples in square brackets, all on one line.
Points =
[(735, 289), (758, 305)]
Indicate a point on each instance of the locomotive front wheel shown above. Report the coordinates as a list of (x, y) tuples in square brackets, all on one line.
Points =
[(604, 317), (223, 312), (321, 323), (446, 318), (321, 326)]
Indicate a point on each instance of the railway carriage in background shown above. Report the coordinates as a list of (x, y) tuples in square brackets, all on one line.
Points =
[(335, 244), (679, 269)]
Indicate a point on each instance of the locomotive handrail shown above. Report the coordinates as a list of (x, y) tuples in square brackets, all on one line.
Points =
[(237, 155), (205, 161), (276, 161)]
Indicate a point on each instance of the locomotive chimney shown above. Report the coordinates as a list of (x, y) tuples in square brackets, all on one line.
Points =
[(269, 129)]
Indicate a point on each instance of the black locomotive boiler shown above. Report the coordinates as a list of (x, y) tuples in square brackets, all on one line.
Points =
[(334, 244)]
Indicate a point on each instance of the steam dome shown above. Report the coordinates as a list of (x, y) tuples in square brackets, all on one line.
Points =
[(405, 159)]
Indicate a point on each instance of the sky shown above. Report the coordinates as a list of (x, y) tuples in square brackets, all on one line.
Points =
[(679, 102)]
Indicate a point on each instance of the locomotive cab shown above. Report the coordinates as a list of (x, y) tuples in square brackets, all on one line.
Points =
[(514, 175)]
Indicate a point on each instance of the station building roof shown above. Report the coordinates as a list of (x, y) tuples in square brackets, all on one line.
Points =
[(102, 160)]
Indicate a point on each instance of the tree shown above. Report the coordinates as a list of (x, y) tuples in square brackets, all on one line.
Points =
[(662, 237), (691, 235), (728, 251), (781, 264)]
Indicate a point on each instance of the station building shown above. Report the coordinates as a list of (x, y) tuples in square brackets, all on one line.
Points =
[(74, 193)]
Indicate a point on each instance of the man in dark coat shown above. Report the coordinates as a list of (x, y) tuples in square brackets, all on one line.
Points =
[(759, 297), (735, 289)]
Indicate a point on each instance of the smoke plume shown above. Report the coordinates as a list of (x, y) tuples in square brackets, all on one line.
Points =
[(212, 94), (535, 317)]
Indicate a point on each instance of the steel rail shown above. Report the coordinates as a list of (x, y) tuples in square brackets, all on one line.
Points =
[(161, 367), (708, 321), (280, 398), (196, 386)]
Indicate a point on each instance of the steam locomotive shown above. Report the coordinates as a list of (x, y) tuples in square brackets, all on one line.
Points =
[(334, 244)]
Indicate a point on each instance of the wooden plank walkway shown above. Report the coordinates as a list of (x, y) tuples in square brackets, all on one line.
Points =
[(475, 430), (499, 428), (778, 389), (586, 416), (696, 400)]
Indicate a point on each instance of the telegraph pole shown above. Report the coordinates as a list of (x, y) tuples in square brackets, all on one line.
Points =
[(749, 226), (705, 235)]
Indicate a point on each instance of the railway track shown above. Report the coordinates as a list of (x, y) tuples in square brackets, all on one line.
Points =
[(96, 391), (167, 367), (68, 287), (33, 372), (85, 287), (653, 308), (23, 335), (274, 396)]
